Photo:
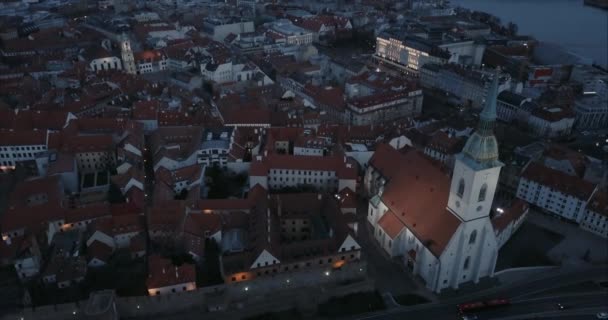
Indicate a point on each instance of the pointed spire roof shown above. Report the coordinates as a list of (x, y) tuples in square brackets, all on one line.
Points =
[(482, 147)]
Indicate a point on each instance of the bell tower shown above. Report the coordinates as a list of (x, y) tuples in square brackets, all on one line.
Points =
[(128, 60), (477, 167)]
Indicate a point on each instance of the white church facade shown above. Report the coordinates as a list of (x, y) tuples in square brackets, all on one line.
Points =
[(440, 225)]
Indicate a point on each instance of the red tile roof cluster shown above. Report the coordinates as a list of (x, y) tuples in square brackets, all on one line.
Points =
[(26, 120), (162, 273), (88, 212), (146, 110), (446, 143), (149, 56), (120, 224), (326, 97), (578, 160), (22, 138), (50, 187)]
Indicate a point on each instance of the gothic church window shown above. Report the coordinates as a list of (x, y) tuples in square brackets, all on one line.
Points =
[(460, 187), (482, 192), (473, 237)]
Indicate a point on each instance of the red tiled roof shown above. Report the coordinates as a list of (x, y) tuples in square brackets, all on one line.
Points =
[(149, 56), (162, 273), (514, 212), (51, 187), (89, 212), (332, 97), (22, 138), (88, 143), (599, 202), (34, 219), (577, 160), (560, 181), (99, 250), (444, 143), (146, 110), (391, 225), (386, 160), (199, 224), (344, 169), (417, 194)]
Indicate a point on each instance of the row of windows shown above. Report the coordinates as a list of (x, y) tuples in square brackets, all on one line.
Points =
[(303, 172), (26, 148), (482, 192), (17, 155)]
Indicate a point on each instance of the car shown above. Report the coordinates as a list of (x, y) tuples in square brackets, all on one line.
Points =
[(561, 306), (602, 315)]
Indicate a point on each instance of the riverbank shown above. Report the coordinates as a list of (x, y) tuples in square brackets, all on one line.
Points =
[(580, 29)]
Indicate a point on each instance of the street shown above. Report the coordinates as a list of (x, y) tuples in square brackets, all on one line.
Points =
[(447, 308), (576, 306)]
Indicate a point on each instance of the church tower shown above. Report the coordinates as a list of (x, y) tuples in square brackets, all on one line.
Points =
[(128, 61), (477, 167)]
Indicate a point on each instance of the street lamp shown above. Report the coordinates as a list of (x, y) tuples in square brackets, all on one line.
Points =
[(327, 273), (500, 210), (246, 288)]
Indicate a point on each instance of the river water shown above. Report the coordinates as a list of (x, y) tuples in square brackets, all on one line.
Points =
[(579, 28)]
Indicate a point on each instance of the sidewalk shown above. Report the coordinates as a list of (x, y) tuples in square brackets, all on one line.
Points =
[(575, 243)]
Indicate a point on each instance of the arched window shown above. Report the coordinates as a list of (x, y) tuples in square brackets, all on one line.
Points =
[(466, 263), (482, 192), (473, 237), (460, 187)]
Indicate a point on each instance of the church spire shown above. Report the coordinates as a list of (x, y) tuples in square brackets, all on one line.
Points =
[(487, 117), (482, 147)]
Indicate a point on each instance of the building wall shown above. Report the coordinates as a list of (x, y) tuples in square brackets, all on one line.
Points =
[(321, 179), (550, 129), (95, 161), (27, 267), (595, 222), (123, 240), (109, 63), (188, 286), (10, 155), (323, 263), (550, 200), (303, 151), (406, 107), (220, 32)]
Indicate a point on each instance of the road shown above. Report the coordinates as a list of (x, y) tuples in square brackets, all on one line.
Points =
[(585, 304), (518, 292)]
